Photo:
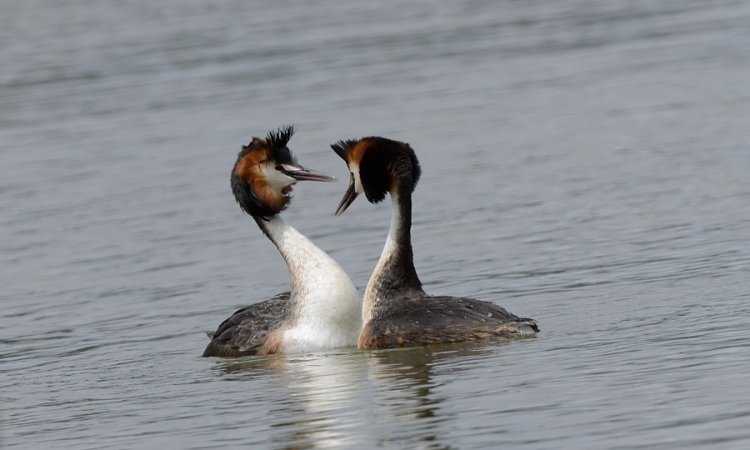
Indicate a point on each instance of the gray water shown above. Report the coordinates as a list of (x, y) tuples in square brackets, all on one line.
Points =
[(584, 163)]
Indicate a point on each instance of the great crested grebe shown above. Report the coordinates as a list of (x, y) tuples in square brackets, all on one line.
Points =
[(323, 310), (396, 310)]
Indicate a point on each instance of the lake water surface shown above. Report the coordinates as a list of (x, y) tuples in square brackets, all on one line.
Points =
[(584, 163)]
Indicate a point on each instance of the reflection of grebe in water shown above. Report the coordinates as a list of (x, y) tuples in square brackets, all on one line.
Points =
[(323, 309), (396, 311), (414, 369), (314, 400)]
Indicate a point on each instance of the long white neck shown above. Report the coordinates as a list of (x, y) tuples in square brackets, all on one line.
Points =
[(394, 274), (374, 284), (325, 302)]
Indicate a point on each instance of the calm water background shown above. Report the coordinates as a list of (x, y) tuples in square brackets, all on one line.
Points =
[(585, 163)]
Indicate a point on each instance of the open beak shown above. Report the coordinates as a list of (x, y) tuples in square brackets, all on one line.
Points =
[(301, 174), (349, 197)]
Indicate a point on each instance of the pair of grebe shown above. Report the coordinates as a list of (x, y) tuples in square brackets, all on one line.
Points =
[(322, 310)]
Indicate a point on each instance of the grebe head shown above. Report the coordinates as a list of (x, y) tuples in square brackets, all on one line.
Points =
[(265, 171), (377, 166)]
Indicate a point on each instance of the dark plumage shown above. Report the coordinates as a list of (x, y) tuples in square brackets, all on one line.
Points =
[(246, 332), (397, 311), (424, 320)]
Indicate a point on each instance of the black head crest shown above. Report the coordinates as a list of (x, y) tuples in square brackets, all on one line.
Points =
[(280, 138), (277, 141), (343, 147)]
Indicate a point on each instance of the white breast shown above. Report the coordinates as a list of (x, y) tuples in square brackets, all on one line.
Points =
[(327, 308)]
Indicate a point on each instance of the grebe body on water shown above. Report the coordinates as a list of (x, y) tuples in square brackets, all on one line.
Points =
[(396, 310), (323, 309)]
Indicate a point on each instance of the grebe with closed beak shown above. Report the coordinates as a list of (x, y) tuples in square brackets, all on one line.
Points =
[(396, 311), (323, 309)]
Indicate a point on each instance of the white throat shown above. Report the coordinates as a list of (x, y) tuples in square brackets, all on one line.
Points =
[(326, 303)]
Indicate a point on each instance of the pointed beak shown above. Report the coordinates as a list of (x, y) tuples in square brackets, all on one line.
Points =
[(349, 197), (301, 174)]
